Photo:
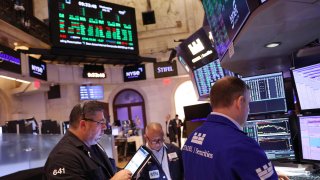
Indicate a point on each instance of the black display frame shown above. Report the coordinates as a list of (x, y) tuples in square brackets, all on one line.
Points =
[(90, 50)]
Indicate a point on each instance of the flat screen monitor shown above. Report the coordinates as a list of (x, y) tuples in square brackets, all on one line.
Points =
[(273, 136), (309, 128), (94, 26), (307, 86), (197, 50), (10, 60), (225, 19), (267, 93), (93, 92), (207, 75), (197, 112)]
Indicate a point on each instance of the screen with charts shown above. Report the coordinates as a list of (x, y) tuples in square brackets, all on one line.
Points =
[(273, 135), (310, 137), (267, 93), (206, 75), (307, 84), (93, 25)]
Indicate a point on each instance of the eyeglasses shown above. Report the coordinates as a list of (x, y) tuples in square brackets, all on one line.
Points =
[(100, 123), (155, 141)]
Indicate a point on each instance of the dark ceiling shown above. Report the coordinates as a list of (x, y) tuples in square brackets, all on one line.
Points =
[(294, 23)]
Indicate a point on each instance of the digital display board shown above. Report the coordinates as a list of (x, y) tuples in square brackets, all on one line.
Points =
[(37, 68), (134, 73), (93, 25), (93, 71), (10, 60), (165, 69), (267, 93), (225, 19), (197, 50), (91, 92), (206, 75), (307, 85)]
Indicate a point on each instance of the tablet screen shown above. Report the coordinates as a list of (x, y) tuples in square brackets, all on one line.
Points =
[(139, 159)]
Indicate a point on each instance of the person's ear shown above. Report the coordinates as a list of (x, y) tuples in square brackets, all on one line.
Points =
[(239, 102), (82, 124)]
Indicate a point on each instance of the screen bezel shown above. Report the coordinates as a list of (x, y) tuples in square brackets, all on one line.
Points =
[(300, 140), (303, 111), (270, 112), (54, 26), (146, 159)]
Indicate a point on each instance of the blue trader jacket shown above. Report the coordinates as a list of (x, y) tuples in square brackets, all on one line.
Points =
[(219, 150)]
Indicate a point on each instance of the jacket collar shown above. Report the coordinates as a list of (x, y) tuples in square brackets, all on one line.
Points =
[(222, 119)]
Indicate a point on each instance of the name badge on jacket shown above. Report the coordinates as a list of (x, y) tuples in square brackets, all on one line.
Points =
[(172, 156), (154, 174)]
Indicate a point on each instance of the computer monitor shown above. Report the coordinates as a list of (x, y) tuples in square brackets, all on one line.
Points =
[(309, 128), (267, 93), (307, 86), (273, 136)]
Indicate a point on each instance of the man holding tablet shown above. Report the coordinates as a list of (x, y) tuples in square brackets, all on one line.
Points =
[(78, 154), (167, 160)]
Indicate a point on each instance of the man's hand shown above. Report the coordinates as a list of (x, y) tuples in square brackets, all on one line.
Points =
[(122, 175)]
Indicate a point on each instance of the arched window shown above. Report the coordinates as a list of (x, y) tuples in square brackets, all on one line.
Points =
[(128, 105)]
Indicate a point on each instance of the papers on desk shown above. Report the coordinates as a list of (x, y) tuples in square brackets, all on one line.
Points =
[(292, 171)]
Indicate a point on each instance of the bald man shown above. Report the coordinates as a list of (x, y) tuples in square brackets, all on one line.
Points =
[(167, 161)]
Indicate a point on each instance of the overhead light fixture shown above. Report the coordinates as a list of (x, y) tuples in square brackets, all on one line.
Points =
[(14, 79), (272, 45)]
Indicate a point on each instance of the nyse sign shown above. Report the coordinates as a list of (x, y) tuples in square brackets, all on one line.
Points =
[(37, 69)]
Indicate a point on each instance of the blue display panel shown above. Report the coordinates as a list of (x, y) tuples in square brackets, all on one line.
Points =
[(206, 75), (273, 135), (10, 60), (309, 127), (91, 92), (267, 93), (307, 84)]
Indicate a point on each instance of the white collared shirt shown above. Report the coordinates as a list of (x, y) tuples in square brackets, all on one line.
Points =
[(229, 118), (163, 161)]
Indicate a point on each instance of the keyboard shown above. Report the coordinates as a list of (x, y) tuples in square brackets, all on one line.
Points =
[(311, 177)]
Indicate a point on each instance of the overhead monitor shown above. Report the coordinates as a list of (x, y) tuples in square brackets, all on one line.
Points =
[(91, 92), (197, 50), (37, 68), (10, 60), (93, 71), (273, 136), (207, 75), (307, 86), (94, 26), (134, 73), (267, 93), (225, 19), (165, 69), (309, 127)]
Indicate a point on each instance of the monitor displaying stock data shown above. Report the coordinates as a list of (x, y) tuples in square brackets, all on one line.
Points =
[(307, 84), (206, 75), (273, 136), (309, 127), (267, 93), (93, 25)]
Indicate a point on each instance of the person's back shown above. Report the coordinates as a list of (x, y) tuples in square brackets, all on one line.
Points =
[(219, 150)]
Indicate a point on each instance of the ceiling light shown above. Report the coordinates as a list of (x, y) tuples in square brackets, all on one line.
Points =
[(272, 45), (14, 79)]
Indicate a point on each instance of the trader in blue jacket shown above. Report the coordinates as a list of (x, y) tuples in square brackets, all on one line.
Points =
[(166, 161), (219, 149)]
